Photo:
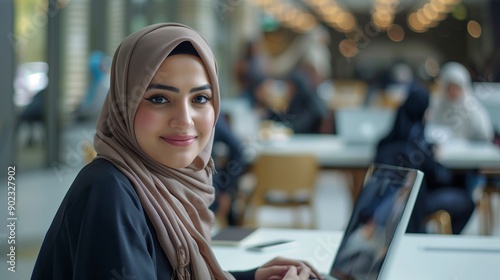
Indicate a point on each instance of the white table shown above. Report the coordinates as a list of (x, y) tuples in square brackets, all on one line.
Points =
[(333, 152), (420, 256), (330, 150), (317, 247), (467, 155)]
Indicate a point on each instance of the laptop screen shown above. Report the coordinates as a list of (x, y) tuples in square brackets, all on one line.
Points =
[(374, 221)]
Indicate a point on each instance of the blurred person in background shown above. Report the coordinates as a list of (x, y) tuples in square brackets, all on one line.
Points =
[(92, 102), (229, 166), (291, 102), (390, 88), (305, 112), (457, 110), (457, 115), (32, 114), (30, 90), (251, 68), (407, 146), (140, 209)]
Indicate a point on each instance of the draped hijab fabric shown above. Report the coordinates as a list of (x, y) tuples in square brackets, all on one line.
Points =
[(175, 200)]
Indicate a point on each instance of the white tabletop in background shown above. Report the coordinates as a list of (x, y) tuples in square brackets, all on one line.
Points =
[(443, 257), (464, 154), (333, 152), (330, 150)]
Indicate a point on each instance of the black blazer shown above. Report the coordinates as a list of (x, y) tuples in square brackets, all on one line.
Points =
[(101, 231)]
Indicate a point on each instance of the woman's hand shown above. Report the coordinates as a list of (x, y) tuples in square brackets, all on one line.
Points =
[(283, 268), (292, 273)]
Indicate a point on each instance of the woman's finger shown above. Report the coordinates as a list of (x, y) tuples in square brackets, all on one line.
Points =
[(291, 271), (268, 272), (314, 272), (283, 261), (305, 272), (294, 262), (291, 274)]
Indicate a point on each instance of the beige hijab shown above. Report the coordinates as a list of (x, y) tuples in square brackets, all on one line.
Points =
[(175, 200)]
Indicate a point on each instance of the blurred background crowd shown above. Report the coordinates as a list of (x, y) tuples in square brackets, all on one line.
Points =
[(294, 61)]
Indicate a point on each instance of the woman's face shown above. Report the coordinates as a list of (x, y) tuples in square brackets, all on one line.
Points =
[(453, 92), (175, 118)]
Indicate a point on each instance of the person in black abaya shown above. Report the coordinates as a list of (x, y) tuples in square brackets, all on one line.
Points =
[(406, 146)]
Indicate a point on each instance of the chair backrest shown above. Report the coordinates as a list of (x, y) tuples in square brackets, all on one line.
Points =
[(283, 180), (285, 172)]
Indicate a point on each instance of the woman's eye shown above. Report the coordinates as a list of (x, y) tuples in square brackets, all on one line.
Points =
[(157, 99), (201, 99)]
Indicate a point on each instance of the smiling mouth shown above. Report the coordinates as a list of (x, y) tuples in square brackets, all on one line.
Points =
[(179, 141)]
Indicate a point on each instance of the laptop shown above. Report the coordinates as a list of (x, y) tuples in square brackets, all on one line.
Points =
[(363, 125), (378, 222)]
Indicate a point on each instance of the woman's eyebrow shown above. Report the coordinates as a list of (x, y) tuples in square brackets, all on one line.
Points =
[(207, 86), (176, 90), (164, 87)]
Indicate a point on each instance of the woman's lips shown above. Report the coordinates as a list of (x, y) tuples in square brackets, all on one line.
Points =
[(180, 141)]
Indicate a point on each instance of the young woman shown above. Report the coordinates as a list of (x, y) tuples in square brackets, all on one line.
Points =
[(139, 210)]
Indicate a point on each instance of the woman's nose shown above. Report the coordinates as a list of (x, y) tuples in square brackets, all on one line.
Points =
[(182, 117)]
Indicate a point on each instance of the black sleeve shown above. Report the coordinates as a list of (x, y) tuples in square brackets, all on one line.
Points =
[(437, 174), (420, 154), (113, 239), (244, 275), (100, 231)]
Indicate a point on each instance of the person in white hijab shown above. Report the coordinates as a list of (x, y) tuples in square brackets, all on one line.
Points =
[(456, 107)]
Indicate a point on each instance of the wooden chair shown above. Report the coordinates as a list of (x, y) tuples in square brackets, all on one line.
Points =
[(285, 181), (441, 221), (492, 187)]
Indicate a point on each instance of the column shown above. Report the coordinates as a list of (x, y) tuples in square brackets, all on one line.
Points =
[(199, 14), (74, 51), (7, 111), (53, 96), (116, 25)]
